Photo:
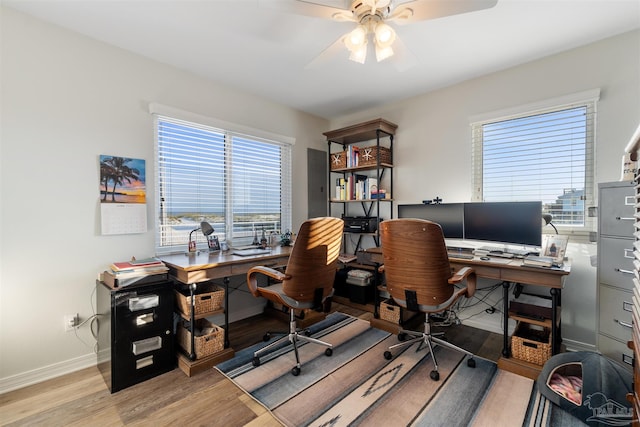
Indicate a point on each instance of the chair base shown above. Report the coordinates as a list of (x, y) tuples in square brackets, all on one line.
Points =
[(431, 340), (293, 336)]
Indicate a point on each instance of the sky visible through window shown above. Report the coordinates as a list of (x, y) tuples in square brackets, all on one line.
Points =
[(539, 157), (206, 174)]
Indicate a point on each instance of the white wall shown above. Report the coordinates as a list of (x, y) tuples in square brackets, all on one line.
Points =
[(66, 99), (432, 149)]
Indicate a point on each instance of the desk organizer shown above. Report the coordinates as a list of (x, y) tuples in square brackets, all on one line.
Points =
[(208, 298), (530, 344), (208, 339)]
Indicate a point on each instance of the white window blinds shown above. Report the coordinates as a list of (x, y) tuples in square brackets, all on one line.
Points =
[(544, 155), (238, 183)]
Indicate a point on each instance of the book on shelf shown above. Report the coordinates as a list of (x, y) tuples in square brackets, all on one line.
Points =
[(135, 264), (347, 258)]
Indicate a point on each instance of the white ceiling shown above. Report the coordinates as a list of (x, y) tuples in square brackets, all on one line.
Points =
[(269, 51)]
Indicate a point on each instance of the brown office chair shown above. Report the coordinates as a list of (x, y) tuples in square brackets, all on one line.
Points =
[(419, 278), (307, 280)]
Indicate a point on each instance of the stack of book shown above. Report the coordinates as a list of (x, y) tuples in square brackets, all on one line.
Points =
[(135, 271)]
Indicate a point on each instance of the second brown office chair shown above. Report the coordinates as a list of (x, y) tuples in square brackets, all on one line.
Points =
[(307, 280), (419, 278)]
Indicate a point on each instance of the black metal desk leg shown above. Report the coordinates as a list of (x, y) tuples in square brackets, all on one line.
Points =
[(555, 344), (192, 325), (505, 319), (226, 312)]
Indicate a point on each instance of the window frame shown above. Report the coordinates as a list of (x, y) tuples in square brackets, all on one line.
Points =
[(589, 99), (231, 131)]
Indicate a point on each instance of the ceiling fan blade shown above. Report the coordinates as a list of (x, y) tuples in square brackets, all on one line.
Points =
[(329, 54), (421, 10), (316, 9), (402, 58)]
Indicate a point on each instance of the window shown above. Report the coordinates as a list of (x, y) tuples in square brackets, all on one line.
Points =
[(240, 184), (545, 154)]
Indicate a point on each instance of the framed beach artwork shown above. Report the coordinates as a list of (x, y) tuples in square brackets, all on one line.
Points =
[(123, 195)]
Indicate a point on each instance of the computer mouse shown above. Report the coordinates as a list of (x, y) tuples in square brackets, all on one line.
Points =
[(484, 258)]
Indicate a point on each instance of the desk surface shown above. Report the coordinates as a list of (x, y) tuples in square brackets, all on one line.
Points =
[(202, 265), (504, 269)]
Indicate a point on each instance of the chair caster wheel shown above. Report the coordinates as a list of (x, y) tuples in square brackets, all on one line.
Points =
[(307, 332), (435, 375), (256, 361), (388, 355), (266, 337), (328, 352), (295, 371), (471, 363), (402, 336)]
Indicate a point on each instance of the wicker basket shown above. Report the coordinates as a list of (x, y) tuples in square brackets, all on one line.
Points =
[(391, 312), (368, 156), (209, 338), (338, 160), (208, 298), (531, 345)]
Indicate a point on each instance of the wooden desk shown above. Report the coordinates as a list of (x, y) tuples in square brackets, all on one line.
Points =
[(511, 270), (191, 269)]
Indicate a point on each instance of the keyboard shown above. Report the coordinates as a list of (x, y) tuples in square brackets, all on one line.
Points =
[(460, 255), (249, 252)]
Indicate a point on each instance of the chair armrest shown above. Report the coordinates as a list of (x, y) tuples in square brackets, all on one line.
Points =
[(468, 274), (252, 279)]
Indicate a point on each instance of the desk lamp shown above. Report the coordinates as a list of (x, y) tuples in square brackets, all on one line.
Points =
[(206, 228), (547, 220)]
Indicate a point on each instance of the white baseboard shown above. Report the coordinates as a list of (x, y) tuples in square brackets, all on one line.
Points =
[(46, 373)]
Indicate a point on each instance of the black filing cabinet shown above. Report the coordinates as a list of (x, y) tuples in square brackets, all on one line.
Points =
[(135, 332)]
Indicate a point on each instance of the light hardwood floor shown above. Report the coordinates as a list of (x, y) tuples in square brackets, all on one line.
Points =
[(206, 399)]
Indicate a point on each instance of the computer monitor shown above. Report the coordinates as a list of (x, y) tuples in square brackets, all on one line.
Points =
[(506, 222), (450, 216)]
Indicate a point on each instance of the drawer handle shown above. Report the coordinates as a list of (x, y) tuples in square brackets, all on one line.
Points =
[(144, 319), (627, 306), (621, 323), (621, 270), (627, 359), (145, 361), (625, 218)]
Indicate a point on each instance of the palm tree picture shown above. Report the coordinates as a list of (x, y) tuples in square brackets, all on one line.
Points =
[(122, 180)]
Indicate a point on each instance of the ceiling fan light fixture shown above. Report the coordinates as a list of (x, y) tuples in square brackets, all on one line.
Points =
[(356, 38), (359, 54), (384, 35), (383, 53)]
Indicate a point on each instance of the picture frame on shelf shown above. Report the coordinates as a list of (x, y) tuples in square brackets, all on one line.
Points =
[(214, 243), (555, 246)]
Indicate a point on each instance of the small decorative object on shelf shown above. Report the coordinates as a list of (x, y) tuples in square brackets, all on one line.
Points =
[(285, 239)]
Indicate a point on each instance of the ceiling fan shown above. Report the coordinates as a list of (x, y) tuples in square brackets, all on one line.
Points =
[(371, 18)]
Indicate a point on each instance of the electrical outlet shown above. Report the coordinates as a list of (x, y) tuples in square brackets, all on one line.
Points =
[(70, 321)]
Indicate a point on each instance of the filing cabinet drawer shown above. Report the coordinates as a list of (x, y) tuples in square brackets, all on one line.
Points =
[(616, 351), (616, 209), (616, 262), (615, 312)]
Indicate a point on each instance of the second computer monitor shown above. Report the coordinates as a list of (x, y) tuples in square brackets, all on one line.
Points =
[(450, 216), (506, 222)]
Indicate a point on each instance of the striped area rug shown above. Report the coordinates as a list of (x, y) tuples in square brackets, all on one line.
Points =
[(357, 386)]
